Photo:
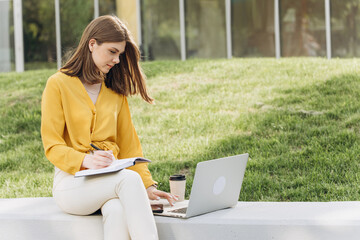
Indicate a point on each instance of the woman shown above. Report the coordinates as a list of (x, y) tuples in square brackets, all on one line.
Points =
[(85, 102)]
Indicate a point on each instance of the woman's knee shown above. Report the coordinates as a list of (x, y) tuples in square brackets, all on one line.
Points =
[(131, 176), (129, 181)]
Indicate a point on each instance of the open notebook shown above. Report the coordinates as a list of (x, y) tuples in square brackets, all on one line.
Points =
[(117, 165)]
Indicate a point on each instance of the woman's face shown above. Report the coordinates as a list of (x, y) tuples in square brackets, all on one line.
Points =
[(106, 55)]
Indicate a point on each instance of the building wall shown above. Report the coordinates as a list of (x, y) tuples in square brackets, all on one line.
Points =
[(302, 28), (5, 60)]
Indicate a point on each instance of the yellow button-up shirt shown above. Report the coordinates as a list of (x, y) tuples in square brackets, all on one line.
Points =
[(70, 122)]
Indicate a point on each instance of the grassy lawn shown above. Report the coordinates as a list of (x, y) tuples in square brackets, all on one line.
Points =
[(298, 118)]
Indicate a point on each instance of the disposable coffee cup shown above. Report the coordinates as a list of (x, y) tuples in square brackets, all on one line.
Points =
[(177, 186)]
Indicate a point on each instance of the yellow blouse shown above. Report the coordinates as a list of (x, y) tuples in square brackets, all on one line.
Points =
[(70, 122)]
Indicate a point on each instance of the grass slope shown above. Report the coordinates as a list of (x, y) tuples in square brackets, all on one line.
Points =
[(298, 118)]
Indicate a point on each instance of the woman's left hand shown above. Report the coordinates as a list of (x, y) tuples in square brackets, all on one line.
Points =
[(155, 194)]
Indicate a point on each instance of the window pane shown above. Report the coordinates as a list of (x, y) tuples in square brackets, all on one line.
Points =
[(160, 29), (205, 29), (345, 28), (39, 34), (253, 28), (6, 37), (107, 7), (75, 15), (302, 28)]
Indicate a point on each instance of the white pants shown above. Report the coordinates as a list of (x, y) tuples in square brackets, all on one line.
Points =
[(121, 196)]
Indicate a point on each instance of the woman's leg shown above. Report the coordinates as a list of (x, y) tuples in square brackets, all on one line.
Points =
[(115, 225), (141, 223), (84, 196)]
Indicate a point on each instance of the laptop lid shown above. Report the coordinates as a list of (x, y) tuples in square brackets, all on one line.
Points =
[(217, 184)]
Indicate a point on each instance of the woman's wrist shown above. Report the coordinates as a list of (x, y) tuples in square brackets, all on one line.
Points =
[(85, 163), (153, 186)]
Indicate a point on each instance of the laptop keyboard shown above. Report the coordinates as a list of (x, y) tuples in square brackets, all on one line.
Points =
[(179, 210)]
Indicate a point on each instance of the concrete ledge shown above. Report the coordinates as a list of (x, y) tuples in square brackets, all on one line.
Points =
[(40, 218)]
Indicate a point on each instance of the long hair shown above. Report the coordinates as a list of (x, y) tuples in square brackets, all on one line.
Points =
[(126, 77)]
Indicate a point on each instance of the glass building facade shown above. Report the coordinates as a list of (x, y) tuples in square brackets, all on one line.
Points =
[(160, 29), (185, 29), (71, 30), (302, 28), (7, 61), (345, 28), (205, 29), (252, 28), (39, 34)]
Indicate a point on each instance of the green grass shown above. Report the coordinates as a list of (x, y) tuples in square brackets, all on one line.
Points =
[(298, 118)]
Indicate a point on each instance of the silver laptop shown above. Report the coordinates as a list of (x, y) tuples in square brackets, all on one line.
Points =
[(217, 184)]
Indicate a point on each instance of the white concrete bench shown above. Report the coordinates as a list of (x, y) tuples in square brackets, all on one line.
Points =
[(40, 218)]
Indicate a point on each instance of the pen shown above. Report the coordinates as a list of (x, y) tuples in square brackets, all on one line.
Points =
[(95, 147)]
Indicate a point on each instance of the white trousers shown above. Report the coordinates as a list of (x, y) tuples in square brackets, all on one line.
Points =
[(121, 196)]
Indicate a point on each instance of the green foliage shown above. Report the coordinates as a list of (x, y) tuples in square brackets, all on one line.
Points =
[(39, 27), (297, 118), (75, 16), (39, 30)]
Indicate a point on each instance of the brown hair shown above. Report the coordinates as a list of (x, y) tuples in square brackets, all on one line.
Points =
[(126, 77)]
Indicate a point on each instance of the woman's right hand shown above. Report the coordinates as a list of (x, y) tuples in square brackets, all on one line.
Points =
[(99, 159)]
